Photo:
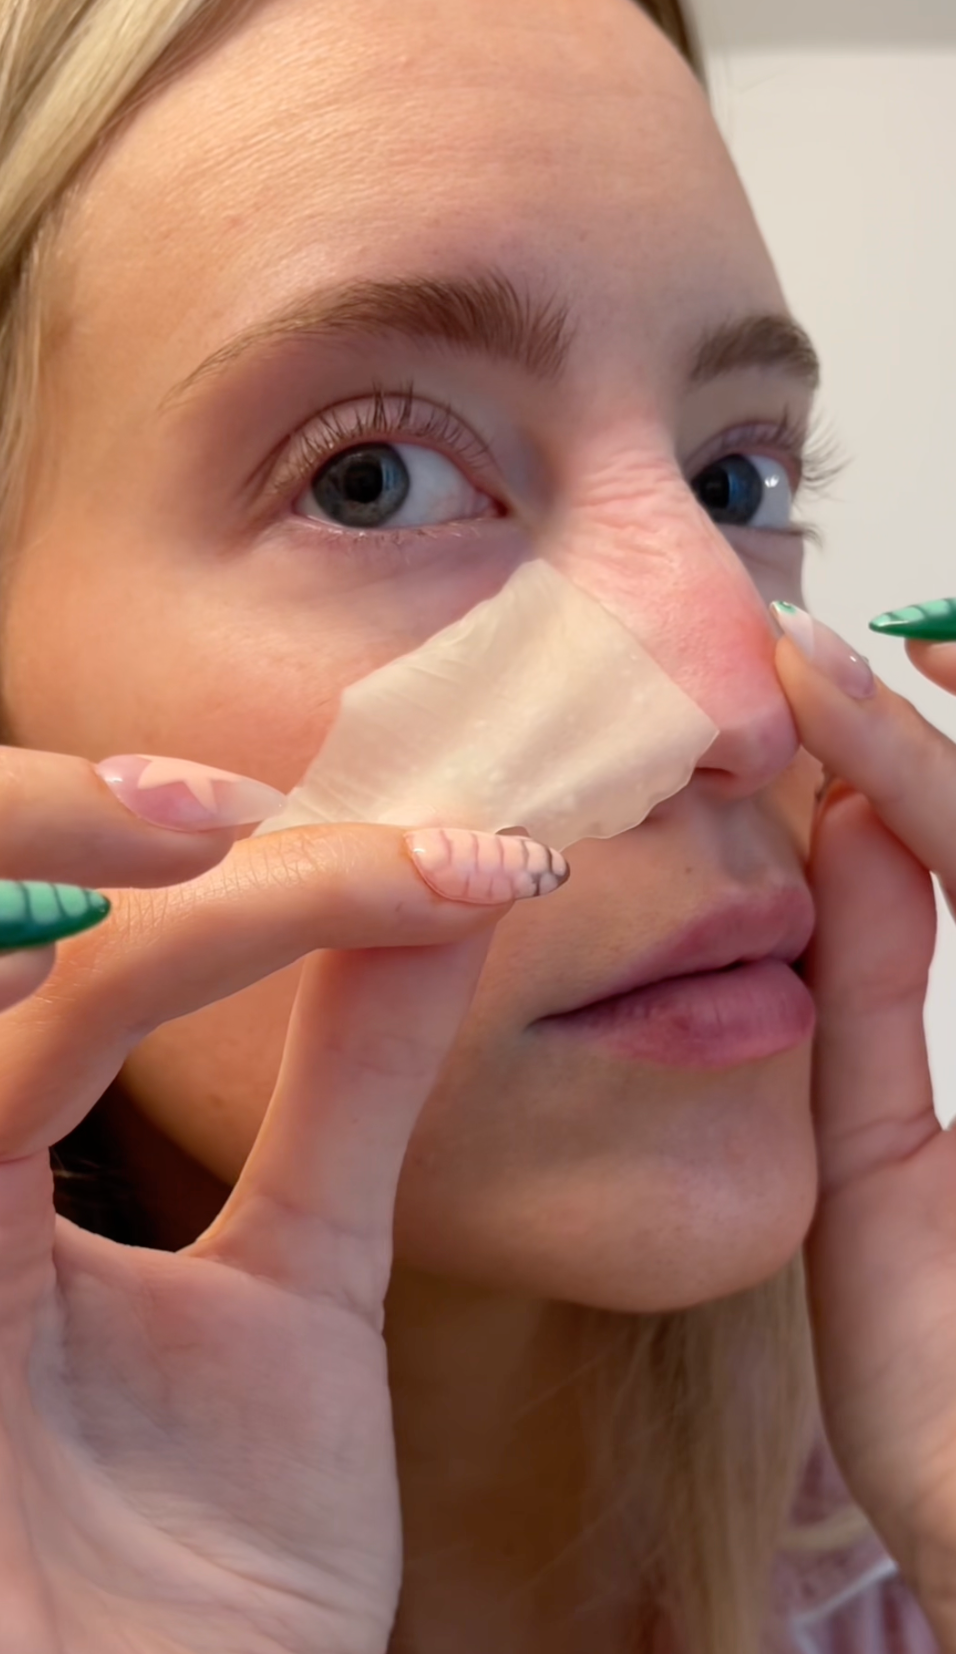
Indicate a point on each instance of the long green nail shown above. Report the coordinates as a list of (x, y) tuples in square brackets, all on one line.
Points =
[(935, 621), (32, 914)]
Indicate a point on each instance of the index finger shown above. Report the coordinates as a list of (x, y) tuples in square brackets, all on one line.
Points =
[(61, 821), (877, 741)]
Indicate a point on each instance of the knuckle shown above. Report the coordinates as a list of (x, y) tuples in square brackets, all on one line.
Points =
[(336, 858), (336, 869), (98, 972), (295, 858), (878, 992)]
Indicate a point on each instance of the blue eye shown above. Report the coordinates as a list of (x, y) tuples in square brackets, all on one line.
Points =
[(361, 489), (746, 491), (386, 485)]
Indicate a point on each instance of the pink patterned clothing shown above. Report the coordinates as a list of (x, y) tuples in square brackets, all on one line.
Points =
[(843, 1602)]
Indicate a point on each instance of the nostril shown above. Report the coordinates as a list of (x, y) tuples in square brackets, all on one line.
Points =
[(755, 746)]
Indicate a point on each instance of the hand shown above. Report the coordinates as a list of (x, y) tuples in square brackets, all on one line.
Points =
[(881, 1256), (197, 1446)]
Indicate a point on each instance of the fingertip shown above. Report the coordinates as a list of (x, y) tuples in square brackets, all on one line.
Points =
[(487, 869), (935, 661)]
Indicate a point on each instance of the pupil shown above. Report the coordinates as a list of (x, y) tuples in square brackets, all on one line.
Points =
[(731, 490), (362, 488), (363, 481)]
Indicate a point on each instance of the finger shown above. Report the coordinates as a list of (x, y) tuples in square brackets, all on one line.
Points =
[(22, 973), (270, 901), (314, 1206), (880, 1249), (60, 821), (885, 749), (936, 661), (868, 968)]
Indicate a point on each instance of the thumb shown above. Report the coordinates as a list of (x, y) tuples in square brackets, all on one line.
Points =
[(936, 661), (271, 900), (880, 1253)]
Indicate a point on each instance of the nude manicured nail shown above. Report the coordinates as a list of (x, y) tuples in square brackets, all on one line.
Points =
[(826, 650), (174, 792), (485, 867)]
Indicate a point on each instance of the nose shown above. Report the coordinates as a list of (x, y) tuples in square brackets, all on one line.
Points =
[(683, 590)]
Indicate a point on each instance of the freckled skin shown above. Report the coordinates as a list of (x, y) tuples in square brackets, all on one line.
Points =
[(170, 625)]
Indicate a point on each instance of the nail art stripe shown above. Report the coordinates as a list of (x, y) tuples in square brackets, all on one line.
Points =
[(485, 867), (934, 621), (34, 914)]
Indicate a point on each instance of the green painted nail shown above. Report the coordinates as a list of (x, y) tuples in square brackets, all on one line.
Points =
[(32, 914), (935, 621)]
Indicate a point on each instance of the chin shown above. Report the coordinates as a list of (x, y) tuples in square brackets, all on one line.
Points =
[(716, 1203)]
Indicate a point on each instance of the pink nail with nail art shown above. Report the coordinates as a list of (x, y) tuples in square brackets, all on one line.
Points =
[(174, 792), (484, 867)]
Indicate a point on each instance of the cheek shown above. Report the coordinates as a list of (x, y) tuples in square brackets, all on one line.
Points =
[(237, 659), (100, 657)]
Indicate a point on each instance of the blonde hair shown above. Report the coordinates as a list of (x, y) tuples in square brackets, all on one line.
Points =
[(701, 1420), (71, 73)]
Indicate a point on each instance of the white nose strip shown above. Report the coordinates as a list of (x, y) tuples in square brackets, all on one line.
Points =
[(537, 709)]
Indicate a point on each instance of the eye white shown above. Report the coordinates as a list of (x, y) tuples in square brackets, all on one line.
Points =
[(776, 507)]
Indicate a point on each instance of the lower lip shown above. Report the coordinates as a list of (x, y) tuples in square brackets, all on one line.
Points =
[(715, 1019)]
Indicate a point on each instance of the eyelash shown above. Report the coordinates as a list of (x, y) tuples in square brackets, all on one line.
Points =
[(386, 417), (391, 416)]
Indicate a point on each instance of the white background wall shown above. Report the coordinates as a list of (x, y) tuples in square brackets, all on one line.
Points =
[(841, 116)]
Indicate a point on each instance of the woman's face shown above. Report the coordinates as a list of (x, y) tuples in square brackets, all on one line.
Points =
[(206, 582)]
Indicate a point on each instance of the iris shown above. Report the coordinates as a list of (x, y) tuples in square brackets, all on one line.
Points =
[(731, 490), (361, 488)]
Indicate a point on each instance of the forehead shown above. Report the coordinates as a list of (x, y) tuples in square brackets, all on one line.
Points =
[(357, 139)]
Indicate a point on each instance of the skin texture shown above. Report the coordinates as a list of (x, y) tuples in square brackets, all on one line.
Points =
[(181, 613)]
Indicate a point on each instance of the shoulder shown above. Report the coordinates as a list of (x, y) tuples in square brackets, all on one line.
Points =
[(881, 1617), (843, 1595)]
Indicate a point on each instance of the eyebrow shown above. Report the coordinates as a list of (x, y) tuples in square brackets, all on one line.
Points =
[(483, 314), (759, 341), (486, 314)]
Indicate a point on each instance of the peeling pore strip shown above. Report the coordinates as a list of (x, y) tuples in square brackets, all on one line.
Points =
[(537, 707)]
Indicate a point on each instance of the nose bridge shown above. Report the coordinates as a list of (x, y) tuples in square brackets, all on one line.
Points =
[(683, 590)]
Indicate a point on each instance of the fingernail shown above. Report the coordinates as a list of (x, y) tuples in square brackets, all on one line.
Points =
[(174, 792), (935, 621), (485, 867), (33, 914), (826, 650)]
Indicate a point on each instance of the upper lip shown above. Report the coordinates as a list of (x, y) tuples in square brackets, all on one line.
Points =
[(771, 924)]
